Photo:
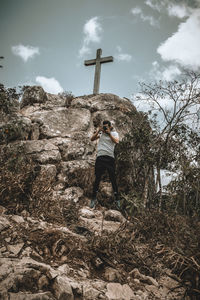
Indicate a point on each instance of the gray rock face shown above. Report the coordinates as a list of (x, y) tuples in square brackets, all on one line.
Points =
[(33, 95), (57, 134), (46, 261)]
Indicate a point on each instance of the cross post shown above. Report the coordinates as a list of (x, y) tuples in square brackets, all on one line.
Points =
[(97, 62), (1, 57)]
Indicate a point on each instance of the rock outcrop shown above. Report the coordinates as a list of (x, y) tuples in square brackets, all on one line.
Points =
[(43, 260), (57, 135)]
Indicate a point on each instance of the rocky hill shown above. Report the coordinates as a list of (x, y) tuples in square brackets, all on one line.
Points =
[(54, 246)]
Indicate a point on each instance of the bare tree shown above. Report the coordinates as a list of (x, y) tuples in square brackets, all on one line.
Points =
[(172, 106)]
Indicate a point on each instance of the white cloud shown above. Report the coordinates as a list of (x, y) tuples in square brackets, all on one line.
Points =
[(137, 11), (92, 34), (154, 4), (179, 11), (168, 73), (84, 50), (122, 56), (50, 85), (25, 52), (183, 46)]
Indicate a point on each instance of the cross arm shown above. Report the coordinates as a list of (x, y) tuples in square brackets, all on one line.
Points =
[(106, 59), (90, 62)]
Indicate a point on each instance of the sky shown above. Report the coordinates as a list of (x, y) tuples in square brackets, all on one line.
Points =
[(45, 42)]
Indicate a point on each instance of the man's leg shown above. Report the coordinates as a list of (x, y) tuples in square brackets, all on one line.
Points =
[(112, 176), (99, 170)]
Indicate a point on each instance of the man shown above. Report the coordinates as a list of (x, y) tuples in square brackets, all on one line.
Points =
[(105, 160)]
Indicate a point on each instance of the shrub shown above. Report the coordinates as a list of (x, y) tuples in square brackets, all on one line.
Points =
[(24, 186)]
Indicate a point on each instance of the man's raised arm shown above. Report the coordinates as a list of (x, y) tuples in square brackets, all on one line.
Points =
[(95, 136)]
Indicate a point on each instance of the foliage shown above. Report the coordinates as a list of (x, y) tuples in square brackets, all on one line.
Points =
[(12, 127), (8, 100), (171, 144), (151, 243), (131, 204), (25, 186), (68, 96), (135, 158)]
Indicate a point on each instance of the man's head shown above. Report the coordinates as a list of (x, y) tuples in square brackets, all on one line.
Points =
[(106, 124)]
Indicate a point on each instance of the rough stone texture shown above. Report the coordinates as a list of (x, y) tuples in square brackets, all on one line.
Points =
[(146, 279), (114, 215), (95, 221), (111, 274), (57, 134), (62, 288), (36, 256), (28, 296), (33, 95), (116, 291), (43, 151), (37, 269), (4, 223)]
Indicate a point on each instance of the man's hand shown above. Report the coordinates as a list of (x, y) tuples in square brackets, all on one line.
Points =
[(96, 134), (99, 129), (108, 130)]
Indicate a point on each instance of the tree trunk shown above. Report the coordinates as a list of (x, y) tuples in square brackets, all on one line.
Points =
[(146, 185), (159, 184)]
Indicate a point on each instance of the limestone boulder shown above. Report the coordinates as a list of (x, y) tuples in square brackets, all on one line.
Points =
[(95, 221), (77, 149), (62, 122), (62, 288), (43, 151), (116, 291), (111, 274), (33, 94), (4, 223), (77, 173), (143, 278), (90, 293)]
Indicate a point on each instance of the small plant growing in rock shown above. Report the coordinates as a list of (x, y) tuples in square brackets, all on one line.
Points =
[(8, 100), (68, 96)]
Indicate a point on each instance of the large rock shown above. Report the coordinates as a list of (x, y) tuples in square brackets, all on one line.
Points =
[(62, 288), (77, 173), (95, 221), (62, 122), (42, 151), (116, 291), (59, 135), (33, 94), (4, 223)]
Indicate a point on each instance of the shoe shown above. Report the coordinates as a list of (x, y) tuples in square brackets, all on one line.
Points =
[(117, 204), (93, 203)]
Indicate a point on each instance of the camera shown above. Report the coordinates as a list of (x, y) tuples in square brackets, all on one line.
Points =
[(105, 128)]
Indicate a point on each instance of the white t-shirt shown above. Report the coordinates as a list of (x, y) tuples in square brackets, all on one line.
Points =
[(105, 145)]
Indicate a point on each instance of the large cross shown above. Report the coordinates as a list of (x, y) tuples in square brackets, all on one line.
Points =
[(98, 61)]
